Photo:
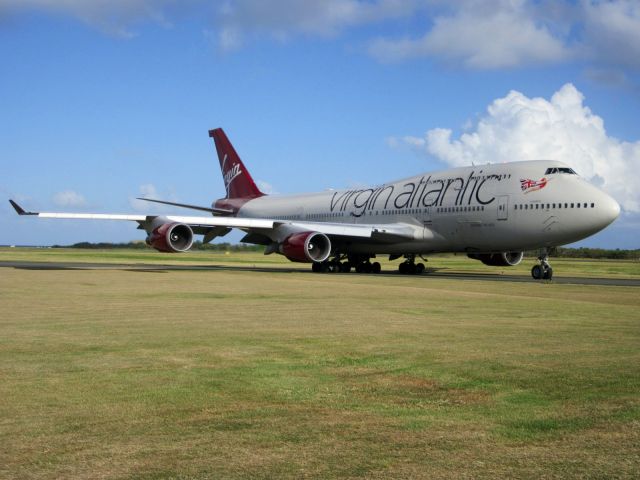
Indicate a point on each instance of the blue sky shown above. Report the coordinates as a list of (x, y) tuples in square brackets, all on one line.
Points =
[(101, 102)]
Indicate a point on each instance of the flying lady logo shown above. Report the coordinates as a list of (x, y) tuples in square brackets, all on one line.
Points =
[(230, 174), (529, 185)]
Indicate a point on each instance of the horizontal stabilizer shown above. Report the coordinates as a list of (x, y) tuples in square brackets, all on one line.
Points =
[(219, 211)]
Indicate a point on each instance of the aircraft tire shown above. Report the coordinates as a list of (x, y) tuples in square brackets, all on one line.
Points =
[(346, 267), (536, 272), (548, 273), (375, 267), (419, 268)]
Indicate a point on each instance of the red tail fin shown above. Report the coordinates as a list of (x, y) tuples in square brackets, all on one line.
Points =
[(237, 179)]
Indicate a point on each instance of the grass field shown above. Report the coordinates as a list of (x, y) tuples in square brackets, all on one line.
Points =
[(235, 374)]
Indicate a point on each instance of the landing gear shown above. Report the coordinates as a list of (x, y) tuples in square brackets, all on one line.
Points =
[(368, 267), (344, 264), (363, 264), (318, 267), (410, 267), (544, 270)]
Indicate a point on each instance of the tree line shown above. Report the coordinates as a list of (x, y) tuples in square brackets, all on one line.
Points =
[(586, 252)]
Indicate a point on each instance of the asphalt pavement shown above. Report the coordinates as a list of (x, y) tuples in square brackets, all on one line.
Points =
[(155, 268)]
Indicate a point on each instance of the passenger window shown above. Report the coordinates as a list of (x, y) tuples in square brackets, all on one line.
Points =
[(592, 205), (572, 205)]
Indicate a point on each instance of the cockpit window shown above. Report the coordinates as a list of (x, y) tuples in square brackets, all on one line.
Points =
[(552, 170)]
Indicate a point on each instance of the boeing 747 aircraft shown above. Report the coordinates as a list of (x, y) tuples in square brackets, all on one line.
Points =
[(492, 213)]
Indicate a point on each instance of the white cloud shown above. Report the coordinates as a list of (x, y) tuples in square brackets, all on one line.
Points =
[(516, 127), (147, 190), (114, 17), (604, 36), (69, 198), (266, 187), (612, 32), (490, 34), (283, 19), (481, 35)]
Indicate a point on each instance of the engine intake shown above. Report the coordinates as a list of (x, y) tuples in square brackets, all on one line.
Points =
[(504, 259), (306, 247), (171, 238)]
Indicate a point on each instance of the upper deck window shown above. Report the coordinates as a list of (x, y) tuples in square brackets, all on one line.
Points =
[(552, 170)]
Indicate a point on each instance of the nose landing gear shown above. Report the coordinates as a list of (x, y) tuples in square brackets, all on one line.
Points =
[(544, 270)]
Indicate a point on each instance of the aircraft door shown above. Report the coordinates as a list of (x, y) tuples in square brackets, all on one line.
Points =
[(503, 207)]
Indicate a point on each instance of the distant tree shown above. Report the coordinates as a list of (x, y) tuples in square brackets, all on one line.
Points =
[(596, 253)]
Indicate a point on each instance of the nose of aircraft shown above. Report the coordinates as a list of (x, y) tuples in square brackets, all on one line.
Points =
[(610, 210)]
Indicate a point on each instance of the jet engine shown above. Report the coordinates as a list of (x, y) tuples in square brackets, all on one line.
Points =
[(306, 247), (504, 259), (171, 238)]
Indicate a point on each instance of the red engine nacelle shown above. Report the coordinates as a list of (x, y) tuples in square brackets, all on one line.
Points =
[(306, 247), (504, 259), (171, 238)]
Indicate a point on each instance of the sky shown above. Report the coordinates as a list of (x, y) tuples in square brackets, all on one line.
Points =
[(104, 101)]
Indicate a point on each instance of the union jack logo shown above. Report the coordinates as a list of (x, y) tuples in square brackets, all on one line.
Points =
[(529, 185)]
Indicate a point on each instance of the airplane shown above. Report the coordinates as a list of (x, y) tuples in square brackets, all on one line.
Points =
[(493, 213)]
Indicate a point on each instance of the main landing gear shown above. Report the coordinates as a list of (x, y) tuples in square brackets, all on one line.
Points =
[(544, 270), (344, 264), (410, 267)]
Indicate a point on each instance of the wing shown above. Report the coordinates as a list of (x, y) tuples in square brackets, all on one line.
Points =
[(273, 229)]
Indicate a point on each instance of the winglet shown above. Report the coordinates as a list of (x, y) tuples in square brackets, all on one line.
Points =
[(19, 210)]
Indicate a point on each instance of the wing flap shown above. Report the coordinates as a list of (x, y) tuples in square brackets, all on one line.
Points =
[(233, 222), (384, 232)]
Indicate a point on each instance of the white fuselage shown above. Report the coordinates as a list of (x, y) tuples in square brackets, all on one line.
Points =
[(490, 208)]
